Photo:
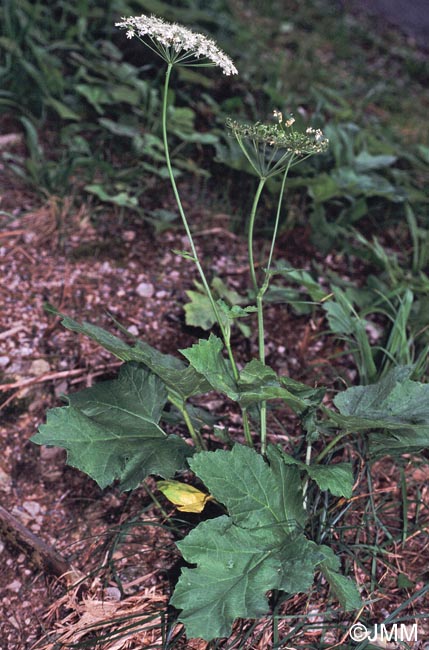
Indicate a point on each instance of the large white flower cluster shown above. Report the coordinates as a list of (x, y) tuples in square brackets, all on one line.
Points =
[(185, 44)]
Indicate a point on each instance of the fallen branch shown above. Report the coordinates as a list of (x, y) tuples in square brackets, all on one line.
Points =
[(40, 553), (11, 332), (24, 383), (13, 233)]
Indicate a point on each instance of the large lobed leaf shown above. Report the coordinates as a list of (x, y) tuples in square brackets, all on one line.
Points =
[(395, 404), (111, 431), (258, 547), (255, 494), (236, 567), (182, 381)]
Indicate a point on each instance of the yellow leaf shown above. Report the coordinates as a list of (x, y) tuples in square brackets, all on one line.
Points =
[(184, 496)]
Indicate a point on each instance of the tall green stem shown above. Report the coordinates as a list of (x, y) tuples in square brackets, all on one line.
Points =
[(276, 224), (261, 337), (261, 291), (196, 259), (256, 198), (179, 202)]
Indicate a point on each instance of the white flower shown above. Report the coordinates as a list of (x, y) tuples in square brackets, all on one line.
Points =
[(278, 115), (177, 44)]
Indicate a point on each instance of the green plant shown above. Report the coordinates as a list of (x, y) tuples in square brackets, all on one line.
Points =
[(383, 321), (63, 76), (115, 430)]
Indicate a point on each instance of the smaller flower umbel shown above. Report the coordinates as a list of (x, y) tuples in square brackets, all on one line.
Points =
[(177, 44), (272, 148)]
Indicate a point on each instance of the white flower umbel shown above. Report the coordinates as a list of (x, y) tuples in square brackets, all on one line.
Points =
[(177, 44)]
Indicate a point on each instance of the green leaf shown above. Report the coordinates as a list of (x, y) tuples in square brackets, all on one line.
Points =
[(256, 548), (259, 382), (299, 559), (233, 313), (197, 137), (323, 188), (424, 152), (235, 569), (343, 588), (289, 483), (230, 296), (312, 396), (182, 381), (255, 494), (404, 582), (340, 318), (206, 358), (338, 478), (125, 93), (303, 278), (95, 95), (365, 161), (396, 404), (123, 199), (185, 254), (111, 431), (199, 311), (62, 109), (117, 128)]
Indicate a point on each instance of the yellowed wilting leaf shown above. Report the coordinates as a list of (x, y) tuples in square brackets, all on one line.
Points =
[(185, 497)]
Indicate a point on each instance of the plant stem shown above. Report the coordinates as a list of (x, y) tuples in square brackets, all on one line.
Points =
[(155, 500), (259, 306), (259, 302), (276, 225), (177, 197), (256, 198), (329, 446), (195, 435), (196, 259), (305, 486)]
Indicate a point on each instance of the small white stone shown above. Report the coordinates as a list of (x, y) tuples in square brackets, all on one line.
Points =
[(32, 507), (39, 367), (15, 585), (105, 268), (145, 290), (133, 330), (113, 593), (128, 235)]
